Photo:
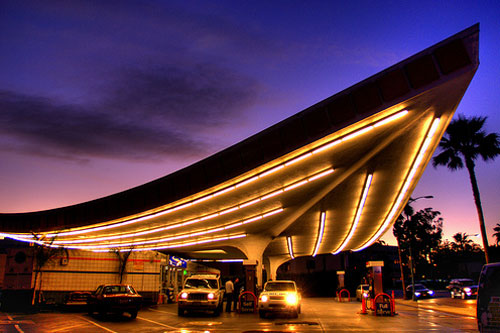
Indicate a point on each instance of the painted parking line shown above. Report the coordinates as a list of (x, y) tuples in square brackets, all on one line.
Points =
[(96, 324), (157, 323)]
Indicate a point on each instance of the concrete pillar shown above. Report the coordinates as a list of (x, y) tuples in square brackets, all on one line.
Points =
[(253, 247), (272, 264)]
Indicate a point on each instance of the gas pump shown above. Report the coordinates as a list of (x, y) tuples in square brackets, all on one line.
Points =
[(374, 279), (380, 302)]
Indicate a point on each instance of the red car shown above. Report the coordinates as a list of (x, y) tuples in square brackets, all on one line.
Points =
[(115, 298)]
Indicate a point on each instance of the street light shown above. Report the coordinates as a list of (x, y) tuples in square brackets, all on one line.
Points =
[(411, 256)]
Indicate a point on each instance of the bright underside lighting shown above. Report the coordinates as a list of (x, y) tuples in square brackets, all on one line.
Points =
[(361, 205), (136, 233), (290, 247), (321, 229), (176, 237), (409, 178), (110, 225), (179, 245)]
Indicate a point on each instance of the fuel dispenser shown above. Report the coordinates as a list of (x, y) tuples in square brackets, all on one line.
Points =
[(379, 302)]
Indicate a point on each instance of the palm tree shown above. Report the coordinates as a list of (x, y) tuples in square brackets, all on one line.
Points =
[(464, 141), (497, 233), (462, 242)]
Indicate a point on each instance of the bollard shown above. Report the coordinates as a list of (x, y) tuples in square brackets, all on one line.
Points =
[(393, 303), (363, 305)]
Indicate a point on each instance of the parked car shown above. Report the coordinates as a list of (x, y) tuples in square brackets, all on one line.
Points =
[(421, 291), (488, 299), (77, 298), (280, 296), (464, 288), (115, 298), (362, 291), (201, 292)]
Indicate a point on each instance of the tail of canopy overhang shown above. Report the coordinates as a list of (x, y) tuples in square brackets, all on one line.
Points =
[(331, 178)]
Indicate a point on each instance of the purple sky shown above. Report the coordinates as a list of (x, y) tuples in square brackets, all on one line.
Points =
[(100, 96)]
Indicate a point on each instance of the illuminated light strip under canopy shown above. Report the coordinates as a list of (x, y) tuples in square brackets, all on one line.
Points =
[(321, 230), (187, 235), (325, 146), (290, 247), (358, 214), (189, 222), (416, 164), (178, 245)]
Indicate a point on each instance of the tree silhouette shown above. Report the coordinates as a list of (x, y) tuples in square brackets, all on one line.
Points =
[(465, 141), (43, 253), (123, 257), (497, 233), (421, 232)]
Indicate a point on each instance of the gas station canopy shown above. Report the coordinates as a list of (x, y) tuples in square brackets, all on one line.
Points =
[(331, 178)]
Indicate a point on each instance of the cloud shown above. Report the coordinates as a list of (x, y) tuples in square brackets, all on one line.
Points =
[(143, 113), (191, 98)]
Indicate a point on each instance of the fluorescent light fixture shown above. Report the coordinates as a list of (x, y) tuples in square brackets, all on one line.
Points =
[(409, 178), (197, 220), (273, 170), (320, 232), (173, 238), (361, 205), (290, 247), (297, 159)]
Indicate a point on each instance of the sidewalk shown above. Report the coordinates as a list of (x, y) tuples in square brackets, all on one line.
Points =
[(468, 312)]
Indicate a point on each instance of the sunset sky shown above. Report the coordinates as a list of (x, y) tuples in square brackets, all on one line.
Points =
[(97, 97)]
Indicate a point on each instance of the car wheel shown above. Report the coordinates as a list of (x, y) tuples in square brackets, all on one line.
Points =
[(133, 314), (300, 309), (295, 314), (262, 314), (180, 312), (90, 310)]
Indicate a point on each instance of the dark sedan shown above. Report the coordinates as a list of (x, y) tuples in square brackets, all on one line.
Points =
[(114, 298), (421, 291)]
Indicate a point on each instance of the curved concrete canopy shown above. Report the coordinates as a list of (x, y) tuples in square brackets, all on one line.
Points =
[(331, 178)]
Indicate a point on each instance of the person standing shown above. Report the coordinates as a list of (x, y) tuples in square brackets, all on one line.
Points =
[(236, 293), (229, 295)]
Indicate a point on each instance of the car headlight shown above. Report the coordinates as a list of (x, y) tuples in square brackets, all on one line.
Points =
[(184, 295), (417, 293), (291, 299), (365, 295), (211, 296), (467, 289), (431, 292), (264, 299)]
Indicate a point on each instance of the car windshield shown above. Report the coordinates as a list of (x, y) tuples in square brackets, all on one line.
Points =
[(279, 286), (119, 290), (201, 283), (365, 287)]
